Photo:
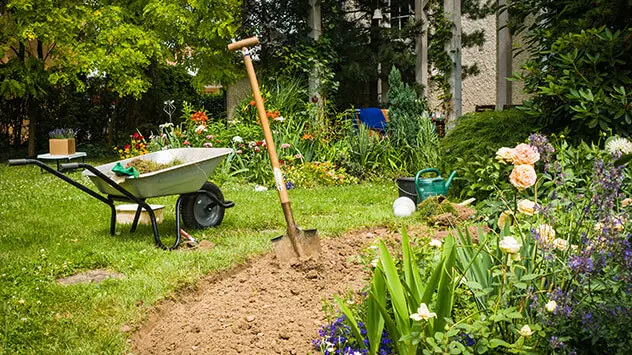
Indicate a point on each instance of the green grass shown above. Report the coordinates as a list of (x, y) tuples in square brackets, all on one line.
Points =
[(49, 229)]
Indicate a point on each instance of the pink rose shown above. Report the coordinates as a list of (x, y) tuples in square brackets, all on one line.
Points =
[(525, 154), (523, 176), (285, 146), (238, 151), (207, 145), (186, 143), (505, 155)]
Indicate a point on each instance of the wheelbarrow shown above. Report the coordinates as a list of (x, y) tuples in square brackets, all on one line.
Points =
[(201, 203)]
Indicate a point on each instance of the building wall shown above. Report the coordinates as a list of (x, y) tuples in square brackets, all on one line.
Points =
[(481, 89)]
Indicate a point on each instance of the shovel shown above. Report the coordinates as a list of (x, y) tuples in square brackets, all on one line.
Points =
[(296, 243)]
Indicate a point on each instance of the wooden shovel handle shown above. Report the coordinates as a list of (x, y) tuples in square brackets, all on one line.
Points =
[(248, 42)]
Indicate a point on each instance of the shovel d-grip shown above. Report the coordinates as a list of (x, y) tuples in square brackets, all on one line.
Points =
[(127, 197)]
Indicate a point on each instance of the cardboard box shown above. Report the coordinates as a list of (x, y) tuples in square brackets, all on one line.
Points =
[(125, 214), (61, 146)]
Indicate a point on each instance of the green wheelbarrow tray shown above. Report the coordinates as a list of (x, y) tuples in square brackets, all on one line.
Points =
[(434, 186)]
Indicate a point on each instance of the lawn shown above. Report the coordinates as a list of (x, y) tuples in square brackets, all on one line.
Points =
[(49, 229)]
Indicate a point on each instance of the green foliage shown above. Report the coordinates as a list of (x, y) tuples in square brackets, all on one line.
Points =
[(584, 86), (399, 293), (312, 174), (469, 148), (480, 133), (405, 111), (578, 69), (65, 44)]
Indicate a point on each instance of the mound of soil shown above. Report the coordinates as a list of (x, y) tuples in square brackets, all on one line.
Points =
[(259, 308)]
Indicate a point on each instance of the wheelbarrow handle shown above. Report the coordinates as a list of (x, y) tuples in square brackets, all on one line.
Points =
[(16, 162), (69, 166)]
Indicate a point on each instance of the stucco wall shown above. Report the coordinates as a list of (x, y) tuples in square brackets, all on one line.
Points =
[(481, 89)]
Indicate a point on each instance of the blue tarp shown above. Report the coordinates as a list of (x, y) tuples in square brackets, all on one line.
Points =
[(373, 118)]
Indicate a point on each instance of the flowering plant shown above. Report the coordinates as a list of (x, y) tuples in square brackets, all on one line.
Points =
[(136, 147), (62, 133)]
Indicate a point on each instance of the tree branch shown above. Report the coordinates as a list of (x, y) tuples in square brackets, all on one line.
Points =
[(48, 52)]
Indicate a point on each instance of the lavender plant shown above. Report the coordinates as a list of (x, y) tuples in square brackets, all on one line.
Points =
[(62, 133)]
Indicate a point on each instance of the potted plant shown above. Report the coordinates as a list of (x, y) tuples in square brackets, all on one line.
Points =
[(62, 141), (439, 120)]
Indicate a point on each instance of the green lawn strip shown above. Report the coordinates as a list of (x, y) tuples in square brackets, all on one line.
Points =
[(49, 229)]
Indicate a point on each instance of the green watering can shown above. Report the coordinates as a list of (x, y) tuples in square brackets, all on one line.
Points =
[(427, 187)]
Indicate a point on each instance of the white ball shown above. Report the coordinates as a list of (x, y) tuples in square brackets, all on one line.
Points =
[(402, 211), (405, 201)]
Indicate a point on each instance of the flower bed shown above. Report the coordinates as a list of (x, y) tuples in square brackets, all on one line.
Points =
[(552, 277)]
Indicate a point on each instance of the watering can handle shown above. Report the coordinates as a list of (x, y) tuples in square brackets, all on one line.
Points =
[(428, 170)]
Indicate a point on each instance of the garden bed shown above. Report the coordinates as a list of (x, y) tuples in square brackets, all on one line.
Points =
[(260, 307)]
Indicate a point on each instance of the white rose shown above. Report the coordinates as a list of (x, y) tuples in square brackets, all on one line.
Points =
[(550, 306), (525, 331), (509, 245), (526, 207), (547, 233), (560, 244)]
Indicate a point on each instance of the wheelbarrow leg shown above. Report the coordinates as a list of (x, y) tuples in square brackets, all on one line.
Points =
[(136, 218), (178, 206), (112, 218), (152, 217)]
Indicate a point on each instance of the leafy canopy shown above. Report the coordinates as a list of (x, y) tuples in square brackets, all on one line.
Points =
[(61, 42)]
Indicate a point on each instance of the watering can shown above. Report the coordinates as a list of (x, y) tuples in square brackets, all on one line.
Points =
[(427, 187)]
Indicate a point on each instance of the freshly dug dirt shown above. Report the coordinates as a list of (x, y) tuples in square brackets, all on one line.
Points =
[(261, 307)]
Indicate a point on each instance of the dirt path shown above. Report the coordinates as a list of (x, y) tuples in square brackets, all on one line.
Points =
[(259, 308)]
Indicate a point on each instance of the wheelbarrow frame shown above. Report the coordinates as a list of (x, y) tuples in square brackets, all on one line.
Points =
[(125, 196)]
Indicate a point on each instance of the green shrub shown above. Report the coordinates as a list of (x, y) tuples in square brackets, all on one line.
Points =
[(478, 133), (470, 147), (584, 87)]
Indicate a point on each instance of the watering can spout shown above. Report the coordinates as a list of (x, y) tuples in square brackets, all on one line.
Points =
[(447, 184)]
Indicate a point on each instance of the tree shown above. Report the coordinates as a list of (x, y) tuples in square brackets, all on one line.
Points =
[(50, 44)]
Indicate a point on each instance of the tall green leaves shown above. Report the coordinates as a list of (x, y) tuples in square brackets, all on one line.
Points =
[(398, 290)]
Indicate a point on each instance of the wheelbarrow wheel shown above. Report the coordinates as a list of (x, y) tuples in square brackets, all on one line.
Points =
[(200, 210)]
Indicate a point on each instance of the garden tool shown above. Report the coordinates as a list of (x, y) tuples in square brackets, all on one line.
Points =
[(427, 187), (296, 242)]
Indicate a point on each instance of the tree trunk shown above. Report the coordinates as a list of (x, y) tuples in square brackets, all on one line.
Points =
[(32, 115)]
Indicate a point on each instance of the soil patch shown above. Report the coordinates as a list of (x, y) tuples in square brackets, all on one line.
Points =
[(258, 308), (90, 276)]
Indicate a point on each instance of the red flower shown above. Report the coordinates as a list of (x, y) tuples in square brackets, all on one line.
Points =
[(127, 146), (186, 143), (252, 102), (259, 143), (136, 136), (137, 146), (281, 161)]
